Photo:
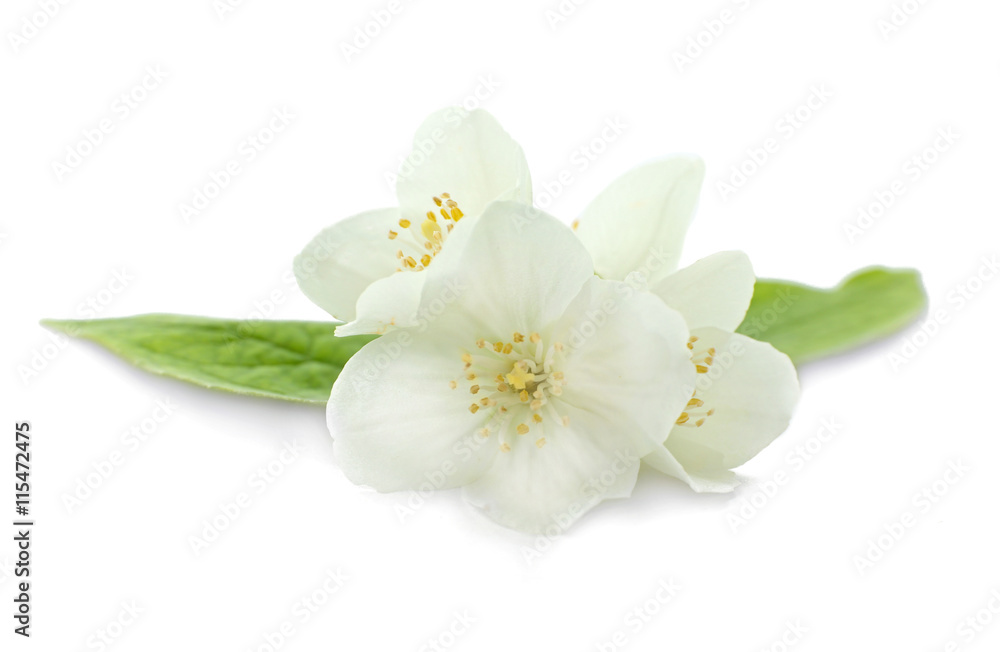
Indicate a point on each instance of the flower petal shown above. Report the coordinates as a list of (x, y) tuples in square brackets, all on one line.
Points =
[(344, 259), (627, 371), (638, 223), (714, 291), (752, 389), (396, 422), (536, 489), (467, 155), (704, 481), (516, 269), (628, 361), (390, 302)]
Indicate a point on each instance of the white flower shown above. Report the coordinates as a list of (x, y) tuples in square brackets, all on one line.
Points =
[(367, 270), (530, 382), (746, 390)]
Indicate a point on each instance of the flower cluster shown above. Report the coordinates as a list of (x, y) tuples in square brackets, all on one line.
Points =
[(536, 365)]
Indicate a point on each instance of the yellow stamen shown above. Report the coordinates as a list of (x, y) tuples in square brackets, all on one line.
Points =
[(519, 377), (429, 228)]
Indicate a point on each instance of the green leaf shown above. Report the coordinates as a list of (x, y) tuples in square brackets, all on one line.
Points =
[(299, 361), (808, 323), (290, 360)]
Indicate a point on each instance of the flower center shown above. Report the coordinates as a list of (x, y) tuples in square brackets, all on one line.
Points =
[(419, 244), (695, 413), (515, 383)]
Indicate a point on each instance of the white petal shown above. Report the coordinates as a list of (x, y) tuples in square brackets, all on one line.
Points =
[(344, 259), (628, 361), (713, 481), (546, 489), (467, 155), (396, 422), (639, 222), (714, 291), (390, 302), (752, 389), (627, 371), (517, 269)]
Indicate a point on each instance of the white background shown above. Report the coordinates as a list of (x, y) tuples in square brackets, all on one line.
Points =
[(556, 85)]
